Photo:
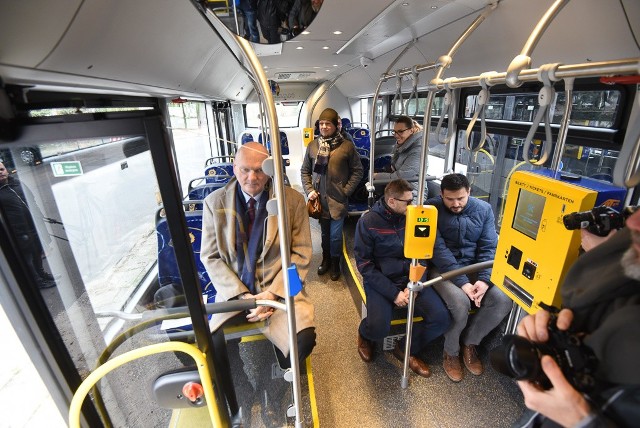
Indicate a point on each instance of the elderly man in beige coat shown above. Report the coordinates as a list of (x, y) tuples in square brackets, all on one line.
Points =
[(241, 250)]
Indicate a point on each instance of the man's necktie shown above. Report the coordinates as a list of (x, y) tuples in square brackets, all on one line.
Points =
[(251, 213)]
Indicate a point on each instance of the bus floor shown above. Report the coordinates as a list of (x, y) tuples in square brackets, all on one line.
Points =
[(350, 392)]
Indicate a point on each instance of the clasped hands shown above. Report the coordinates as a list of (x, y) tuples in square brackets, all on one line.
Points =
[(475, 291), (259, 313)]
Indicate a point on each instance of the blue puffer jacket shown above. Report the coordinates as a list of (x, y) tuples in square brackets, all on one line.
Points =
[(465, 238), (379, 250)]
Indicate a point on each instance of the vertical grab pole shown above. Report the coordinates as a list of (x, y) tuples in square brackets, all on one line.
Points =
[(283, 220), (444, 62)]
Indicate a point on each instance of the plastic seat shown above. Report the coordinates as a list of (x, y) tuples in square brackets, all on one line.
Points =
[(284, 143), (168, 275), (222, 168), (381, 163)]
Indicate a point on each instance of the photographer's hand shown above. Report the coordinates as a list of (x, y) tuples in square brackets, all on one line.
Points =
[(535, 327), (590, 240), (562, 402)]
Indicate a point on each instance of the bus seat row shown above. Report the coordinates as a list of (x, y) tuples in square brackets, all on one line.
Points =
[(169, 280)]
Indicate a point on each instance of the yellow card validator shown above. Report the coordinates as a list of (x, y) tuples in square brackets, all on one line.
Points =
[(420, 231)]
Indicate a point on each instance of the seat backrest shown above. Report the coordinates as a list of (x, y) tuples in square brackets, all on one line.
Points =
[(284, 143), (380, 163), (246, 138), (346, 123), (168, 273), (361, 138), (221, 168), (202, 191)]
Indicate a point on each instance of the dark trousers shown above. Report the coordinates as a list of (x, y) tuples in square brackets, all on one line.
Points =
[(428, 305)]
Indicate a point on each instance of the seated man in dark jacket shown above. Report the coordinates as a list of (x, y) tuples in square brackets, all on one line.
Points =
[(466, 235), (379, 251)]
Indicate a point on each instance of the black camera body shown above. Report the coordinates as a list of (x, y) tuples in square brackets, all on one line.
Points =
[(599, 221), (519, 358)]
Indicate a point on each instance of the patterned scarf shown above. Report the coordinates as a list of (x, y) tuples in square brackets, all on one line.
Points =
[(324, 149)]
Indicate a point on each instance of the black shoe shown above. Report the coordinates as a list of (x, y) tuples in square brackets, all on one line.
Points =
[(43, 283), (45, 275), (325, 265), (335, 268)]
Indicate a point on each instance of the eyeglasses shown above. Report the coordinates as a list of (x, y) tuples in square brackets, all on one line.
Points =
[(245, 170), (400, 131), (406, 201)]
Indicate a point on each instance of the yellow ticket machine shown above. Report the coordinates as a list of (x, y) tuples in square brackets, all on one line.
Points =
[(535, 250), (420, 231)]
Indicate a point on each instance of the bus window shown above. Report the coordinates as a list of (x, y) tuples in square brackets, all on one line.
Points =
[(288, 114)]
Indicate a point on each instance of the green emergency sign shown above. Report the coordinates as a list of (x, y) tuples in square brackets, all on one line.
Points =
[(66, 169)]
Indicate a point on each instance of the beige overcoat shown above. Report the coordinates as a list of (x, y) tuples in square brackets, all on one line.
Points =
[(219, 256)]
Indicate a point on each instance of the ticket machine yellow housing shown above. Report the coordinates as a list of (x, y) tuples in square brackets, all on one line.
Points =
[(535, 250)]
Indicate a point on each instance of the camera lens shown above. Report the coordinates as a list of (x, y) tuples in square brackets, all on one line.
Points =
[(579, 220), (517, 358)]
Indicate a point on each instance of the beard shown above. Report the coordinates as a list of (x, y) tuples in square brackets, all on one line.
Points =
[(631, 264)]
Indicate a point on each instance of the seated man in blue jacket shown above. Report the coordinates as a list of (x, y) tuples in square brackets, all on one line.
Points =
[(466, 235), (379, 251)]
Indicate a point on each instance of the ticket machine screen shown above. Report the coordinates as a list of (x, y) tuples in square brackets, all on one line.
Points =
[(528, 213)]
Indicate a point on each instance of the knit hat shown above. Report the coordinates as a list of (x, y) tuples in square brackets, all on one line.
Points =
[(330, 115)]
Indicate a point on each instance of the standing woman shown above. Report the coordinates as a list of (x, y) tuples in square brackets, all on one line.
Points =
[(405, 158), (331, 170)]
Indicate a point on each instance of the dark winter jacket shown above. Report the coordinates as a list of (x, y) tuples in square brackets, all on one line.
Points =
[(379, 250), (301, 14), (606, 308), (464, 239), (14, 204)]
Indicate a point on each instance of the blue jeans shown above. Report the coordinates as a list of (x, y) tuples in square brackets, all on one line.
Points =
[(250, 22), (494, 307), (428, 305), (331, 236)]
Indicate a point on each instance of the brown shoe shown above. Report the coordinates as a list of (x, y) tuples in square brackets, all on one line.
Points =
[(452, 367), (365, 349), (471, 360), (418, 366)]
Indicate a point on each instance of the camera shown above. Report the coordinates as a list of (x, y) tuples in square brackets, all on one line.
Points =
[(519, 358), (599, 221)]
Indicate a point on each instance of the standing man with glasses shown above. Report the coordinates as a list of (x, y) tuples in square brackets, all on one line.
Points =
[(331, 170), (466, 235), (405, 158), (379, 251), (241, 251)]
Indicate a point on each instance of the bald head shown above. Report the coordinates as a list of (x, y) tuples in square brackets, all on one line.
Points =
[(247, 167)]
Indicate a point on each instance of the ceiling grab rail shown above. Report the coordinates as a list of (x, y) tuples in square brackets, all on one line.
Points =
[(481, 106), (444, 62), (414, 93), (546, 96), (564, 125), (523, 60), (449, 106)]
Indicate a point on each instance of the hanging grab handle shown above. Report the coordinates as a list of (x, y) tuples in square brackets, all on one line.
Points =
[(481, 105), (397, 98), (414, 92), (447, 110), (546, 74)]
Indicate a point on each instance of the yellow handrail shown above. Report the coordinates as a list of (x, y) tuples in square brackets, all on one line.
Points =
[(100, 372)]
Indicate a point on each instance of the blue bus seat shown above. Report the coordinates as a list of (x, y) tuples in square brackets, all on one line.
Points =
[(222, 168), (381, 163), (219, 159), (361, 138), (284, 143), (168, 274), (346, 123), (202, 191), (362, 152)]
